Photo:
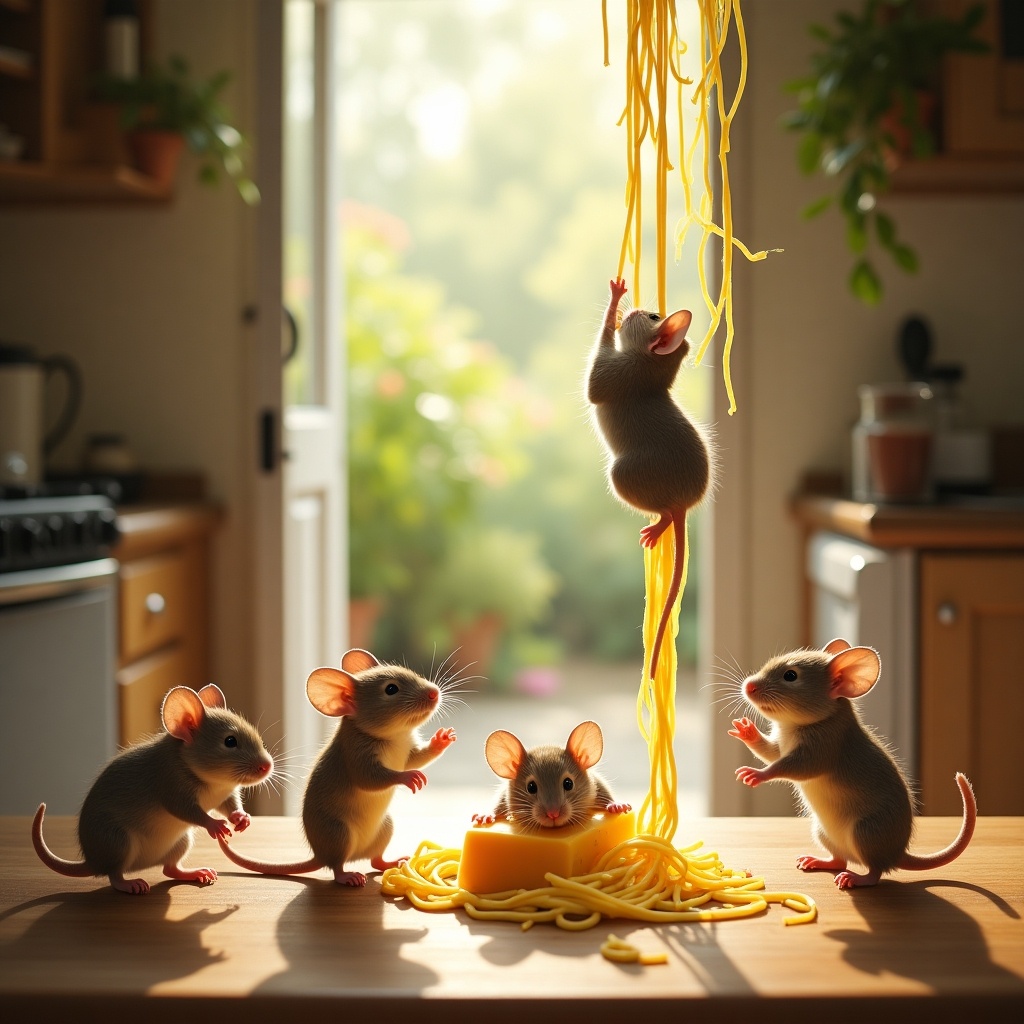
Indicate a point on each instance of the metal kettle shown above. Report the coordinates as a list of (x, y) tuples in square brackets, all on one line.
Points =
[(25, 440)]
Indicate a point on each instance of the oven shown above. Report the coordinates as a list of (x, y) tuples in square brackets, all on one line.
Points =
[(58, 633)]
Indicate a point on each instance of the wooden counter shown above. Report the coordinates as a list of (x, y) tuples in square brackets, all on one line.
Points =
[(935, 946)]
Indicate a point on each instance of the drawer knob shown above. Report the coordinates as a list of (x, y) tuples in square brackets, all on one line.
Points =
[(947, 613), (155, 603)]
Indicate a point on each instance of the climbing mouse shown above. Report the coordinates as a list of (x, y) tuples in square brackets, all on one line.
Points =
[(375, 748), (853, 789), (659, 461), (549, 786), (141, 809)]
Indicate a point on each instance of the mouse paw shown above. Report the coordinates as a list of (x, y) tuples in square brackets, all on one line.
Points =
[(812, 863), (850, 879), (204, 876), (483, 820), (352, 878), (218, 829), (240, 820), (619, 808), (414, 779), (132, 886), (380, 864), (750, 776), (745, 730), (617, 286), (442, 740)]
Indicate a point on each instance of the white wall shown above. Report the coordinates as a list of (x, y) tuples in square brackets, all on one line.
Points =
[(804, 344), (149, 300)]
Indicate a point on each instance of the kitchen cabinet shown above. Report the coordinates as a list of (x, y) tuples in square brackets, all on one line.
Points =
[(968, 620), (50, 52), (164, 608)]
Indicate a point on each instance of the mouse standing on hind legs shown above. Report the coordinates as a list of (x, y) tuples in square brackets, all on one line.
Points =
[(857, 796), (659, 461)]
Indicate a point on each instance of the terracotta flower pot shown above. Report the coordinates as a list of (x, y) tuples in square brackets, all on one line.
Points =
[(156, 153), (476, 644), (363, 615)]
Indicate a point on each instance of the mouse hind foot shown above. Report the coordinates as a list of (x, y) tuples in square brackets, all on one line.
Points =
[(204, 876), (132, 886), (355, 879), (812, 863), (380, 864), (850, 879), (649, 535)]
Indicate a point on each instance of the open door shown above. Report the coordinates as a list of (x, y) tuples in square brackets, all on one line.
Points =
[(301, 577)]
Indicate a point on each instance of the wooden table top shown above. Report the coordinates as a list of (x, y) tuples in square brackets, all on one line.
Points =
[(949, 943)]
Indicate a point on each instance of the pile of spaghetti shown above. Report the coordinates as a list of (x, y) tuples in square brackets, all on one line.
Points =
[(646, 878)]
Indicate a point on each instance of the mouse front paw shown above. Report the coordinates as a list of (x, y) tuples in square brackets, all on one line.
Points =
[(484, 820), (240, 820), (745, 730), (442, 740), (617, 286), (618, 808), (414, 779), (750, 776), (218, 829)]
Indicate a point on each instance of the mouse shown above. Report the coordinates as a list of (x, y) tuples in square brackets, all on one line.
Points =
[(851, 785), (659, 460), (375, 748), (549, 786), (144, 805)]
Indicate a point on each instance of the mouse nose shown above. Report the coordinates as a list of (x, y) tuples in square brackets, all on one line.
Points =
[(553, 814), (264, 766), (434, 694), (750, 688)]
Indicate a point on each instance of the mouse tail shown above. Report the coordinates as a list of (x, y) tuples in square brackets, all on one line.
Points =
[(263, 868), (914, 862), (71, 868), (678, 573)]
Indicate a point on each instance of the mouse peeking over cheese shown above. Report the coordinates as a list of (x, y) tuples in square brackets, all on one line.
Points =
[(141, 810), (852, 787), (549, 786)]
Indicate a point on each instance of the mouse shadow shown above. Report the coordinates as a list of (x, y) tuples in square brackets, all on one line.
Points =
[(63, 934), (909, 915), (338, 932)]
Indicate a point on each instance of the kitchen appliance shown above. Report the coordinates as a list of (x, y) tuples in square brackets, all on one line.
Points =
[(24, 439), (58, 630), (866, 595)]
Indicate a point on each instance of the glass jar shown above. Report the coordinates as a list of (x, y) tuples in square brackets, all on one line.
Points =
[(893, 444)]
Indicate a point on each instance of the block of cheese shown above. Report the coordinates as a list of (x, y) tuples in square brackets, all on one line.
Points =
[(496, 859)]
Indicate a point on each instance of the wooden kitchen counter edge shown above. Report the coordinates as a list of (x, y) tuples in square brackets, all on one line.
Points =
[(920, 526), (948, 944), (150, 527)]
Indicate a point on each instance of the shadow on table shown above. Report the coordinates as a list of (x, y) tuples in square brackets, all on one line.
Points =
[(91, 932), (909, 916)]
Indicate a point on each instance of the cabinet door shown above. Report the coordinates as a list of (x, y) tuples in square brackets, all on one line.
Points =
[(972, 650), (142, 688)]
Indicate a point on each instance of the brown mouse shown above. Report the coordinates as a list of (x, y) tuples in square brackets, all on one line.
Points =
[(141, 809), (549, 786), (659, 461), (376, 748), (849, 782)]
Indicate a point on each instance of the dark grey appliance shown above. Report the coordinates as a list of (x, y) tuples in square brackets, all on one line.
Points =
[(58, 629)]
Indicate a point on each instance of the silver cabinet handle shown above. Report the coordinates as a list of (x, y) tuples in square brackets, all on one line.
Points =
[(155, 603), (947, 613)]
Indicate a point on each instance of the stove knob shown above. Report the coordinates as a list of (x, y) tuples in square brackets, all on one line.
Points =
[(29, 537), (109, 531)]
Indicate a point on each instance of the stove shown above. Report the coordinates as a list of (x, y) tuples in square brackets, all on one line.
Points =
[(55, 524)]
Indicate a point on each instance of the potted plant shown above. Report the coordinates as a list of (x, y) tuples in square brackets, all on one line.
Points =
[(491, 582), (865, 103), (164, 111)]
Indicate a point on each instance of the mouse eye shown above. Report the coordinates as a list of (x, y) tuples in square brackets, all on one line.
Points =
[(531, 786), (230, 741), (789, 675), (391, 689), (567, 784), (654, 316)]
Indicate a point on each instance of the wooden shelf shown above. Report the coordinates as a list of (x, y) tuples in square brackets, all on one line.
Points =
[(951, 175), (25, 181)]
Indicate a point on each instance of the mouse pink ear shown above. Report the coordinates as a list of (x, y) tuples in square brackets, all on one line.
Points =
[(854, 671), (331, 692), (504, 753), (835, 646), (358, 660), (182, 712), (671, 332), (586, 744), (213, 696)]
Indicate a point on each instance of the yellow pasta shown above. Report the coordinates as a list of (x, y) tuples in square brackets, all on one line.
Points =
[(647, 878), (652, 74)]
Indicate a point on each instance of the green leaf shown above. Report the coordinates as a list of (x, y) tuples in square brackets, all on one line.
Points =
[(856, 234), (906, 258), (865, 284), (809, 153), (886, 230), (812, 210)]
